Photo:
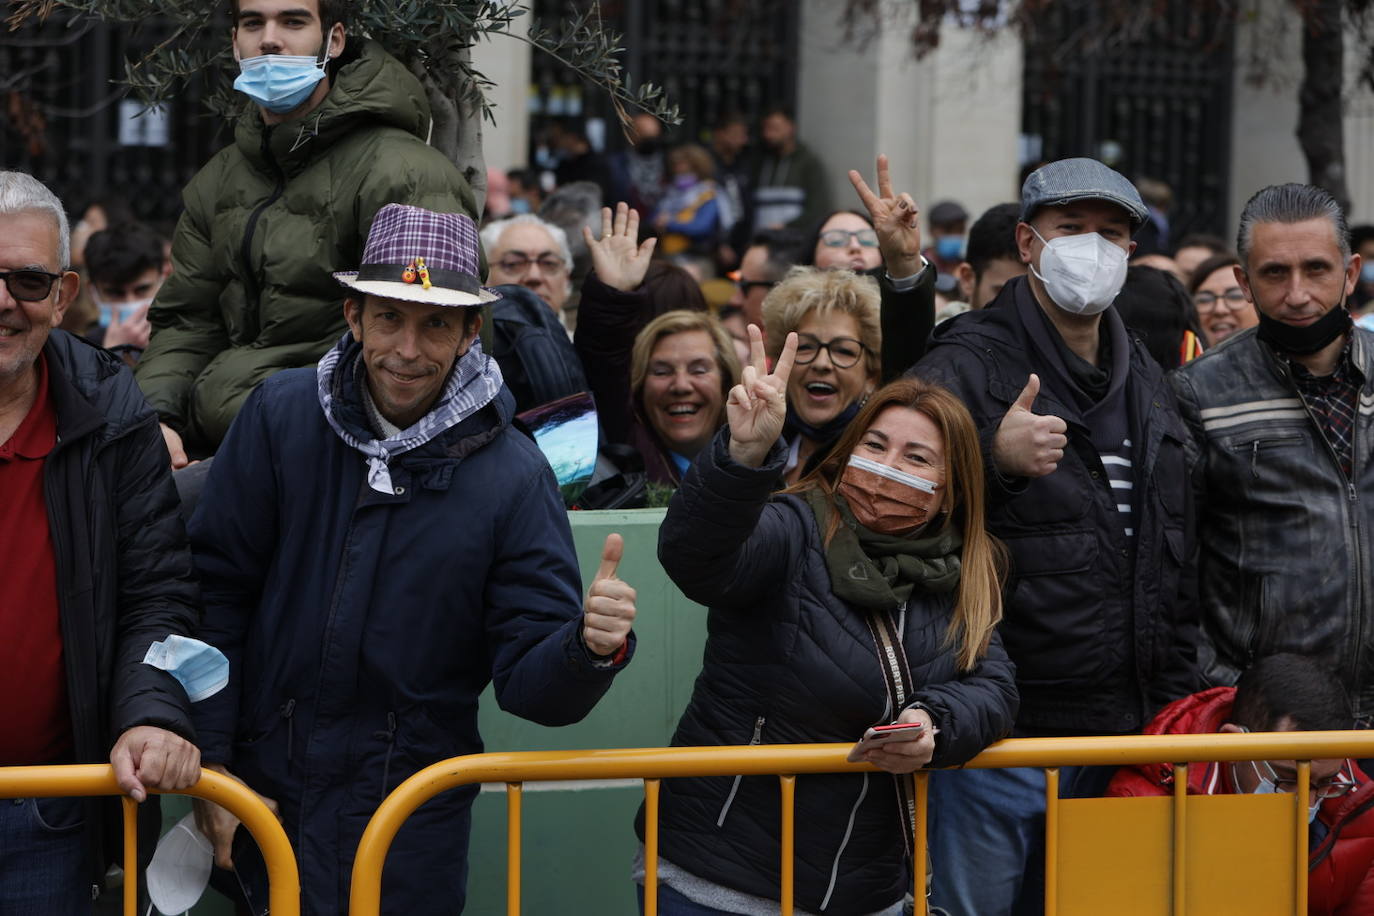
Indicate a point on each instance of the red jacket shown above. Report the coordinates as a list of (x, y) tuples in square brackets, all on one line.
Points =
[(1341, 871)]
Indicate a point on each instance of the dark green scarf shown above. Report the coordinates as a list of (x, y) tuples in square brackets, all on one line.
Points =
[(877, 572)]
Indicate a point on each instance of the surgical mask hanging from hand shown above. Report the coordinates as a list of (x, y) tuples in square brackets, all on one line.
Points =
[(885, 500), (281, 82), (1082, 273)]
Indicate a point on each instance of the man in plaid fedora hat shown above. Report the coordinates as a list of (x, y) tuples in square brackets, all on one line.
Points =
[(376, 543)]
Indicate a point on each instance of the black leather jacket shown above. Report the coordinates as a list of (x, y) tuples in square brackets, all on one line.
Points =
[(1285, 535), (1102, 631)]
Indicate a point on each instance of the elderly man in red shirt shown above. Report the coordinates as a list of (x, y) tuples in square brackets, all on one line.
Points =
[(1282, 693), (96, 570)]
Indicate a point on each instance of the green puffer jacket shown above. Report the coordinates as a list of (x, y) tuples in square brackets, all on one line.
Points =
[(266, 223)]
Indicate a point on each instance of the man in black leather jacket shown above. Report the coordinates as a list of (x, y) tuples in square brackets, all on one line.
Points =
[(1087, 487), (1280, 418), (96, 569)]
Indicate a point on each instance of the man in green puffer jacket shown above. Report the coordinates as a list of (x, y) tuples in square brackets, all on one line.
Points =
[(330, 142)]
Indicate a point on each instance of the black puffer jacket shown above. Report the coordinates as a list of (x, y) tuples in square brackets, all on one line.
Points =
[(1103, 635), (787, 662), (1286, 549), (123, 564)]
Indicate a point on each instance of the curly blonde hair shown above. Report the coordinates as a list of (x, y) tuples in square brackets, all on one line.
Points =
[(807, 289)]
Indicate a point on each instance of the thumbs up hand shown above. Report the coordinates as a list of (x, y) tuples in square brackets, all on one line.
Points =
[(1029, 444), (609, 611)]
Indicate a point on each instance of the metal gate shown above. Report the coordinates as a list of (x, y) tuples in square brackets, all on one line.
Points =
[(712, 57), (64, 119), (1152, 100)]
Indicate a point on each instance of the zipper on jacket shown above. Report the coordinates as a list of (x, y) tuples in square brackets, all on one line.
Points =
[(389, 736), (734, 787), (1353, 506), (848, 831), (287, 710), (251, 290)]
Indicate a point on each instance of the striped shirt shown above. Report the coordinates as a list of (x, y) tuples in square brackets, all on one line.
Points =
[(1117, 464)]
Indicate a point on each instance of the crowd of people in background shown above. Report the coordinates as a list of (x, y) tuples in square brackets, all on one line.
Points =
[(1045, 470)]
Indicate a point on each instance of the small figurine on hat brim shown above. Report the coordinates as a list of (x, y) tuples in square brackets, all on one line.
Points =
[(417, 255)]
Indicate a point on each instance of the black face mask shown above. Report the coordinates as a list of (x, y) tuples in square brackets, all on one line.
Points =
[(1304, 340), (649, 147)]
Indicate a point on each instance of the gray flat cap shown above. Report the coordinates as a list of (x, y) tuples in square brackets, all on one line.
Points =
[(1068, 180)]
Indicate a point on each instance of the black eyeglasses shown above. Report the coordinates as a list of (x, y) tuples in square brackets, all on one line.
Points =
[(839, 238), (29, 285), (844, 352), (746, 285), (1206, 301)]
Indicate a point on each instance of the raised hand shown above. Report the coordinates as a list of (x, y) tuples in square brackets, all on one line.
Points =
[(609, 611), (619, 259), (757, 406), (895, 219), (1029, 444)]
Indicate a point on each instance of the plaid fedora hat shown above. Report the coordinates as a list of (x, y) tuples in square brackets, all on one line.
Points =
[(418, 255)]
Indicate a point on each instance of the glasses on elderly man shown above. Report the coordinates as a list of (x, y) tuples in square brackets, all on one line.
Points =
[(844, 351), (1206, 301), (29, 285), (839, 238), (519, 263)]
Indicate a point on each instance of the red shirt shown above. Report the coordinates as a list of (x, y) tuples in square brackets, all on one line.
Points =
[(35, 723)]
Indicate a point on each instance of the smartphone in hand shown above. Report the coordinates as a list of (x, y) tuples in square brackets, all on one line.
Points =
[(878, 735)]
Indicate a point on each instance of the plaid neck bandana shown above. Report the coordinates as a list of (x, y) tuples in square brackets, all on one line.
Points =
[(473, 383)]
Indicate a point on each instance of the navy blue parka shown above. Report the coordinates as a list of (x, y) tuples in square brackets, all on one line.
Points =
[(361, 626)]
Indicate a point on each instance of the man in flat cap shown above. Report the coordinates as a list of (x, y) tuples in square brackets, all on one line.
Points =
[(1087, 488), (376, 543)]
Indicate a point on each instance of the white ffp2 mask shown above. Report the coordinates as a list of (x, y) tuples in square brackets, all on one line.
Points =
[(1082, 273)]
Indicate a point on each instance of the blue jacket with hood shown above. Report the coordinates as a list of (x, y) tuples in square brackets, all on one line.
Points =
[(361, 626)]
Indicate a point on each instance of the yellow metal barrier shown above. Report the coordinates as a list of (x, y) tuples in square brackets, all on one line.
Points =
[(789, 761), (98, 779)]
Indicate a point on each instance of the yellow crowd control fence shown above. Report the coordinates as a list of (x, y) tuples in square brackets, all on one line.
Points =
[(1169, 855), (98, 779)]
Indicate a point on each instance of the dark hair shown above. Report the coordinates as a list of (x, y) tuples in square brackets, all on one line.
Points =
[(1290, 203), (992, 237), (807, 255), (784, 247), (1361, 234), (670, 287), (115, 207), (1214, 243), (1210, 266), (1154, 304), (1290, 686), (331, 11), (730, 119), (122, 253), (783, 110)]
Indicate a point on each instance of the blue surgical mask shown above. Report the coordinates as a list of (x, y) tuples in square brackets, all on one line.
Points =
[(1367, 273), (125, 310), (199, 667), (281, 82), (519, 205), (1265, 786), (950, 247)]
